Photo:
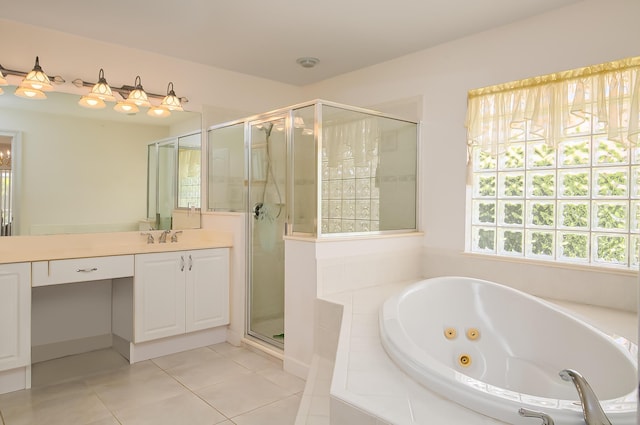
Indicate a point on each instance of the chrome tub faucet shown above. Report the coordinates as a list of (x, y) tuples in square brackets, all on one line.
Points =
[(546, 419), (591, 408)]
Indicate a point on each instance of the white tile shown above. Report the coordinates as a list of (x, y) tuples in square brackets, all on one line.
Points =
[(225, 348), (284, 380), (240, 395), (319, 405), (205, 374), (141, 389), (282, 412), (186, 358), (183, 409), (35, 396), (111, 420), (253, 361), (318, 420), (76, 409)]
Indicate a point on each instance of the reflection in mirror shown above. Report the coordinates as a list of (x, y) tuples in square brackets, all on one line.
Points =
[(82, 170), (189, 149), (6, 185), (174, 182)]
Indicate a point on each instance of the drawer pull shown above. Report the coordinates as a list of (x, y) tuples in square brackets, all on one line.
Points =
[(94, 269)]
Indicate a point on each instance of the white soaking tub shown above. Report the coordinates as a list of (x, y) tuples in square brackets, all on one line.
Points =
[(494, 350)]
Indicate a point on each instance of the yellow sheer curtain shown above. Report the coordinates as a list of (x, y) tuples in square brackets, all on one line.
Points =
[(608, 94)]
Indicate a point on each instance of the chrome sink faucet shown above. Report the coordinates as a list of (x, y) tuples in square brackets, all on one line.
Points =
[(163, 236), (174, 237), (149, 237), (593, 413)]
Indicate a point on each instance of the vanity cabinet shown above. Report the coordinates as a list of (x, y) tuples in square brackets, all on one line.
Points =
[(180, 292), (15, 315)]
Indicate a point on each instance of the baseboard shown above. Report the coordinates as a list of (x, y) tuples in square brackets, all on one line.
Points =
[(122, 346), (296, 367), (56, 350), (175, 344), (14, 380)]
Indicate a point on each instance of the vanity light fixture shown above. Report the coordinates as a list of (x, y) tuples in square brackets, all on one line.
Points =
[(137, 96), (126, 107), (100, 92), (134, 97), (35, 83), (158, 112), (171, 101)]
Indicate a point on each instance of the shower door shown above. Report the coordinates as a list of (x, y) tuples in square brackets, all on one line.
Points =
[(267, 216)]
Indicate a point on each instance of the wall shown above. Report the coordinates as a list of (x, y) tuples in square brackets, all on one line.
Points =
[(218, 93), (586, 33)]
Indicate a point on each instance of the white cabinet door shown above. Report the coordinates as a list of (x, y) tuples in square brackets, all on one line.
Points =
[(15, 315), (207, 284), (159, 295)]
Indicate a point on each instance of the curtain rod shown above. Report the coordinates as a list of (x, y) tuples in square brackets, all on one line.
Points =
[(587, 71)]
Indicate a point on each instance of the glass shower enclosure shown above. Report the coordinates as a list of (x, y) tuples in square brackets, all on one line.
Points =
[(314, 170)]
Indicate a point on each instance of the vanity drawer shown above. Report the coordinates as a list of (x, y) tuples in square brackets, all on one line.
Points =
[(80, 269)]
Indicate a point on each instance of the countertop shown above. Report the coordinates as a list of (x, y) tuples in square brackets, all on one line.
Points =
[(18, 249)]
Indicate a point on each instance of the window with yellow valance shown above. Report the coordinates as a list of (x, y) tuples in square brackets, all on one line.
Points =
[(548, 106)]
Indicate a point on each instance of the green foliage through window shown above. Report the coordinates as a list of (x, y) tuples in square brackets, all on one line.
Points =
[(514, 186), (487, 213), (611, 248), (612, 183), (574, 246), (611, 216), (542, 243), (514, 157), (487, 186), (543, 156), (543, 185), (512, 241), (542, 214), (486, 239), (576, 185), (513, 213), (575, 215)]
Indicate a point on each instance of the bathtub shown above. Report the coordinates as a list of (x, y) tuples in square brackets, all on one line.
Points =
[(494, 349)]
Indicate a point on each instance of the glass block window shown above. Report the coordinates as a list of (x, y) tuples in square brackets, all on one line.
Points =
[(576, 203)]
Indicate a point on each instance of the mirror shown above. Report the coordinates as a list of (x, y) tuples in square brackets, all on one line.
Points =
[(82, 170)]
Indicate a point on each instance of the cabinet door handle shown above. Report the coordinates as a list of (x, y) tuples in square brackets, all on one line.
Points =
[(190, 262), (182, 263), (94, 269)]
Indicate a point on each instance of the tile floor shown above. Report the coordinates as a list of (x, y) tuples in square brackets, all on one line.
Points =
[(219, 384)]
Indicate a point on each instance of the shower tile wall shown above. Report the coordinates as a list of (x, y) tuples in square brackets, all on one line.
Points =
[(350, 196)]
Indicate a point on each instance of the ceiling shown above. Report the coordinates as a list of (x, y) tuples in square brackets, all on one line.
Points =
[(264, 38)]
